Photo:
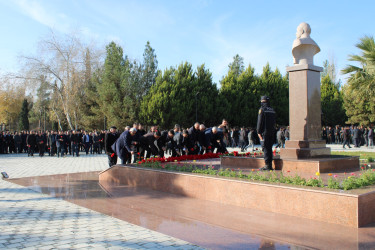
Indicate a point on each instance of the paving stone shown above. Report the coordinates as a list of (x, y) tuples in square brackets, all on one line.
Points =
[(52, 222)]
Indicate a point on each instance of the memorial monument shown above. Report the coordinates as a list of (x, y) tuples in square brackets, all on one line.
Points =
[(304, 100), (305, 152)]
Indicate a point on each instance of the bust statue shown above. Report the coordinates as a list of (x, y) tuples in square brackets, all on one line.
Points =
[(304, 48)]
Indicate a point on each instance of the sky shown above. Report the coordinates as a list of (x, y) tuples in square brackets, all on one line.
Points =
[(209, 32)]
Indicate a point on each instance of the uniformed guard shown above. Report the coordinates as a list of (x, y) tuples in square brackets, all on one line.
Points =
[(266, 130)]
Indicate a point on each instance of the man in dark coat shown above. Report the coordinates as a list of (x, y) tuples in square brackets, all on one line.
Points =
[(187, 144), (194, 137), (346, 135), (166, 142), (52, 143), (31, 143), (109, 139), (266, 130), (215, 140), (60, 144), (370, 136), (18, 142), (357, 137), (148, 143), (122, 147), (75, 140), (41, 141)]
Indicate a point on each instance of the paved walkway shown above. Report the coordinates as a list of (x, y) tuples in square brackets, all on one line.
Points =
[(33, 220)]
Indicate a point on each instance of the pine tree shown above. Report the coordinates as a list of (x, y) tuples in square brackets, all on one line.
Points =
[(332, 103), (175, 94), (114, 89), (23, 123)]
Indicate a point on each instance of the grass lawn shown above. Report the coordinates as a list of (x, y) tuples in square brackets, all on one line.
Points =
[(361, 154)]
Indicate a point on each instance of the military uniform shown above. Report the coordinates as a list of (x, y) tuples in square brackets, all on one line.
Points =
[(266, 128)]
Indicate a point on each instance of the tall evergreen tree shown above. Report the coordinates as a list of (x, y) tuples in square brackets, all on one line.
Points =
[(175, 94), (332, 103), (113, 91), (23, 123), (242, 94)]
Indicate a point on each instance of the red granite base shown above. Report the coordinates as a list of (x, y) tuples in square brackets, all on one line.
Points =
[(307, 166), (354, 208)]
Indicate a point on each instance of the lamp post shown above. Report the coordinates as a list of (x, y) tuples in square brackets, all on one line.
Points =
[(196, 106)]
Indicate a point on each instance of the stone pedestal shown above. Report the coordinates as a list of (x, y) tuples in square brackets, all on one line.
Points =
[(305, 114)]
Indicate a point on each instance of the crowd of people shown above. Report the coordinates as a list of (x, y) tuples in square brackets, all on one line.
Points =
[(140, 144), (52, 142), (356, 135)]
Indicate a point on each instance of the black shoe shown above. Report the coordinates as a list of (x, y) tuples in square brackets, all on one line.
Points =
[(265, 168)]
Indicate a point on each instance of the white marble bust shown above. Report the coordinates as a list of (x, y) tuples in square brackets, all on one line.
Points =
[(304, 48)]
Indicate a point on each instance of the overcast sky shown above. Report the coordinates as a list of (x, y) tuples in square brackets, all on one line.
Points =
[(197, 31)]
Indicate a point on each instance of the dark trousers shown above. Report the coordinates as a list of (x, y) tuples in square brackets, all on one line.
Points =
[(75, 149), (60, 150), (112, 160), (53, 149), (41, 149), (87, 147), (346, 142), (18, 146), (126, 158), (267, 150), (357, 142), (31, 150)]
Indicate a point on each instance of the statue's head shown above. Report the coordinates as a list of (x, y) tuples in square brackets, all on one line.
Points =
[(303, 29)]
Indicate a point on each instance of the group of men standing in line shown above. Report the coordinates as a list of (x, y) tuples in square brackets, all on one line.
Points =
[(52, 142), (357, 135)]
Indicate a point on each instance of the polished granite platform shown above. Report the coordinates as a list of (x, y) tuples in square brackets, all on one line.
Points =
[(205, 223)]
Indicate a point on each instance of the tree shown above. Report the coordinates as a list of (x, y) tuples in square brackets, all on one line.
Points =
[(23, 123), (237, 66), (242, 95), (41, 105), (149, 67), (62, 61), (359, 98), (11, 99), (332, 103), (115, 90), (175, 94)]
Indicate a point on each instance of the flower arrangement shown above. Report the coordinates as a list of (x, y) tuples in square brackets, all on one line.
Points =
[(181, 158), (249, 154)]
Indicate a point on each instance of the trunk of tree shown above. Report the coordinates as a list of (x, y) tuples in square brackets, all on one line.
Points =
[(58, 117)]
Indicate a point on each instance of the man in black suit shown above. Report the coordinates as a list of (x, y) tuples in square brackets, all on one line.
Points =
[(187, 144), (166, 142), (357, 137), (122, 146), (109, 139), (31, 143), (148, 143), (75, 140), (194, 133)]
